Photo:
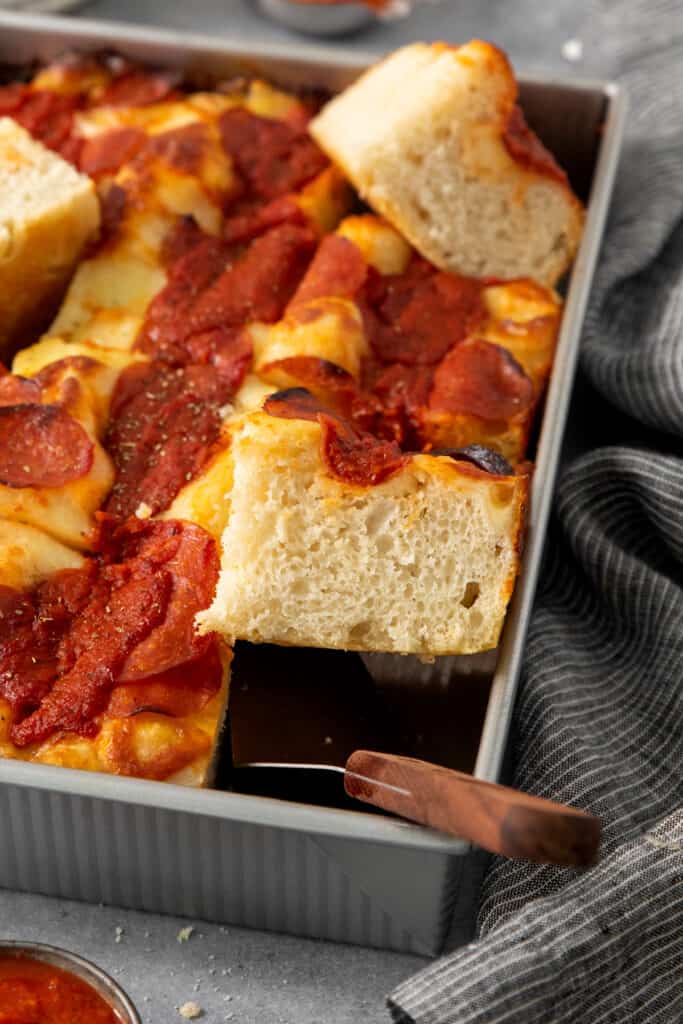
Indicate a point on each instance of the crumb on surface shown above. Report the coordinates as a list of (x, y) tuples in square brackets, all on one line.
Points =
[(185, 933), (118, 933), (191, 1011)]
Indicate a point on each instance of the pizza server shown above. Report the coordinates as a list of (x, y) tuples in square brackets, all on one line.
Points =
[(302, 723)]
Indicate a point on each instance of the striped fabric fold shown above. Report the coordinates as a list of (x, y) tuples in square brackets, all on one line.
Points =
[(599, 717)]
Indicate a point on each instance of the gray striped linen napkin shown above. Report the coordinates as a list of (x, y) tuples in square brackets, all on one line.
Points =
[(599, 718)]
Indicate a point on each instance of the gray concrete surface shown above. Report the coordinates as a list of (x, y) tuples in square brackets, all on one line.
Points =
[(236, 975)]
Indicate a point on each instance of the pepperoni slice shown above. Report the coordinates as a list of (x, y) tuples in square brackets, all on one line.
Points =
[(350, 455), (54, 373), (162, 427), (181, 148), (127, 617), (106, 153), (184, 236), (179, 691), (273, 157), (34, 627), (202, 261), (248, 221), (15, 390), (416, 317), (526, 148), (108, 632), (138, 88), (483, 380), (259, 285), (47, 115), (189, 555), (338, 269), (402, 392), (11, 98), (357, 458), (477, 455), (42, 446), (293, 404)]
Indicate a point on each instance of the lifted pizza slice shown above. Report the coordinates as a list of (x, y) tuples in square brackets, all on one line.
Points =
[(336, 539)]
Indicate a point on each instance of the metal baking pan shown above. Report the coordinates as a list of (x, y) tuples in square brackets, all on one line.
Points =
[(281, 865)]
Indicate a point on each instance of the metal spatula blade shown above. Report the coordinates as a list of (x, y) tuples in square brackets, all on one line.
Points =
[(495, 817)]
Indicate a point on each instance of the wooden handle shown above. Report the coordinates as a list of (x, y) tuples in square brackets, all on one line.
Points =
[(495, 817)]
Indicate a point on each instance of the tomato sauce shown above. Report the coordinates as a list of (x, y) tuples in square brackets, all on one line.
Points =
[(34, 992)]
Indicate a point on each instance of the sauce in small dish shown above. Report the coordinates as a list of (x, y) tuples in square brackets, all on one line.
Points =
[(45, 985)]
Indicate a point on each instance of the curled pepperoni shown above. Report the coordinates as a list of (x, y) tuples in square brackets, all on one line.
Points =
[(113, 206), (126, 617), (338, 268), (109, 631), (481, 379), (106, 153), (202, 261), (184, 236), (417, 316), (179, 691), (351, 455), (249, 220), (55, 372), (42, 446), (139, 88), (47, 115), (259, 285), (358, 458), (334, 385), (526, 148), (188, 553), (34, 626), (273, 157), (164, 422), (293, 404)]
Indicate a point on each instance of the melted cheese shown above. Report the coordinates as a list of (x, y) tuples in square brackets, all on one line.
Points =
[(380, 244), (28, 555), (97, 380), (330, 329)]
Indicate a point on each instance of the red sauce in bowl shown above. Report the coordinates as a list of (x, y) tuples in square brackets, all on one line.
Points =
[(36, 992)]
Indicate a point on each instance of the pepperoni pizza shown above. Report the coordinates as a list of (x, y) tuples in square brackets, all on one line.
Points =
[(228, 269)]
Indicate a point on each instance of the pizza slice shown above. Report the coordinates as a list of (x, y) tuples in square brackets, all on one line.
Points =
[(337, 539)]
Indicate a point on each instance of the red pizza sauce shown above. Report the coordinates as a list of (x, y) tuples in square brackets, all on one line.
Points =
[(35, 992), (72, 644), (527, 149)]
